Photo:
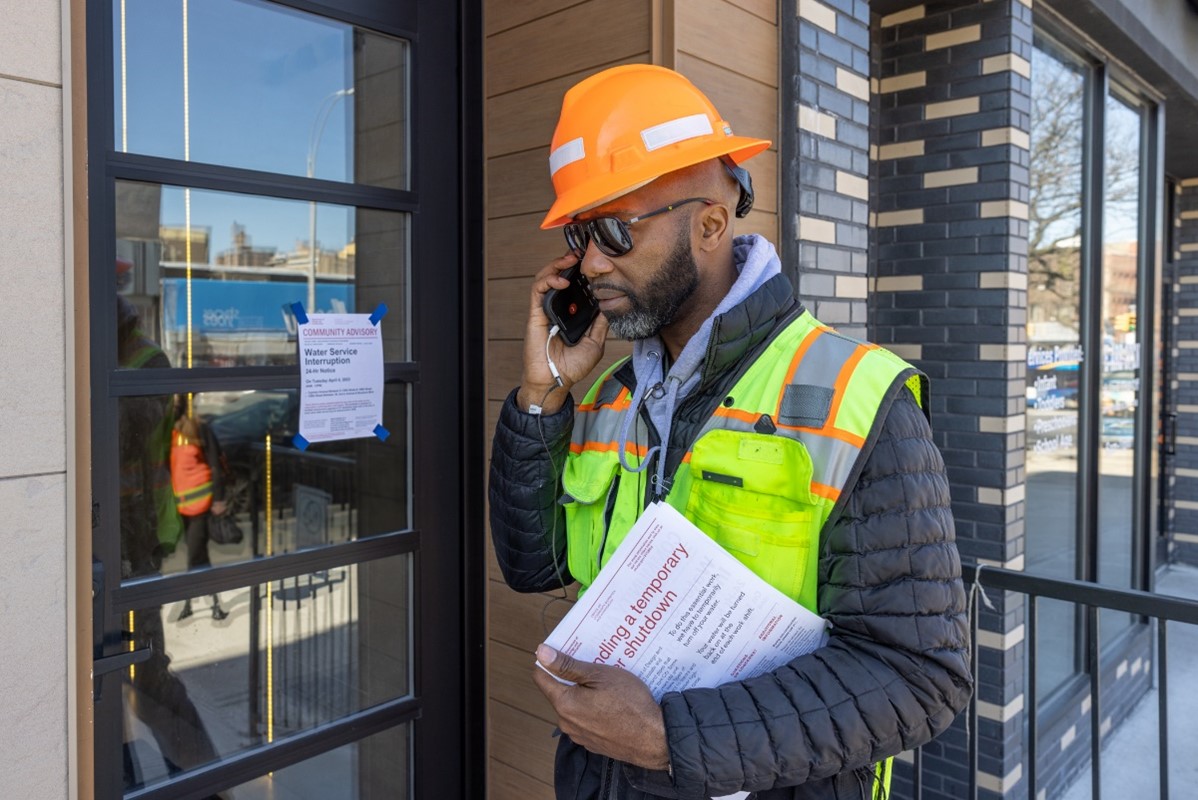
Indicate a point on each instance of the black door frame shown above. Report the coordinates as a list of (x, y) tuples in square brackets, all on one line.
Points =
[(446, 410)]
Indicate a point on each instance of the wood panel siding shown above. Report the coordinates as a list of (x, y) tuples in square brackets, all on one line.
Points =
[(726, 34), (534, 51), (511, 784), (515, 245), (751, 107), (574, 40)]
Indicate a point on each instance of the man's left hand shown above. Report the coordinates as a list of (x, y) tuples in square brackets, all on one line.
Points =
[(608, 711)]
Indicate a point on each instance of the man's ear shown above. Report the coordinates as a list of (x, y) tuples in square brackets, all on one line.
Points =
[(715, 225)]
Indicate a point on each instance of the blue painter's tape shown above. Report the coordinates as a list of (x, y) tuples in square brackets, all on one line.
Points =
[(381, 432), (300, 315), (378, 314), (299, 441)]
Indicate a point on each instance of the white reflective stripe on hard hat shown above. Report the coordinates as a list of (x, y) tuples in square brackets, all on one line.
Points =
[(568, 153), (676, 130)]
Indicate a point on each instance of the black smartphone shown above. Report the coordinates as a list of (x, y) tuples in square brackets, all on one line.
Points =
[(572, 309)]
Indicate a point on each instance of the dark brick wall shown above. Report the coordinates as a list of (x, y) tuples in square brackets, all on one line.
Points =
[(948, 292), (832, 162)]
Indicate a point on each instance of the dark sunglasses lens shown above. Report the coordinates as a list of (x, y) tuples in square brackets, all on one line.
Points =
[(611, 236), (576, 238)]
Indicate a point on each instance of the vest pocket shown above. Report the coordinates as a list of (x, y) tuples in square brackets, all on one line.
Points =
[(587, 488), (751, 493)]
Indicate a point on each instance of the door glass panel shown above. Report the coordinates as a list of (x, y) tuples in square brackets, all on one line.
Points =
[(211, 276), (1054, 352), (375, 767), (263, 87), (230, 454), (1120, 393), (251, 666)]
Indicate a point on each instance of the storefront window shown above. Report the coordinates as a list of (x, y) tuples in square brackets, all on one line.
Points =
[(1084, 348), (1055, 350), (259, 629), (278, 498)]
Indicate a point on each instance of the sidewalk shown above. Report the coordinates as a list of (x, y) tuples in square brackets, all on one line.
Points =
[(1131, 762)]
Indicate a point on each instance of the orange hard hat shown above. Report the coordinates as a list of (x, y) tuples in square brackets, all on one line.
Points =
[(626, 126)]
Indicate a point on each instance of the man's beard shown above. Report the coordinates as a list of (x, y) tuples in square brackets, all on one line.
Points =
[(655, 306)]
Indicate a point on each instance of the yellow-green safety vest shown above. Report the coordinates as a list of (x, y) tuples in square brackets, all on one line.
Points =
[(765, 470)]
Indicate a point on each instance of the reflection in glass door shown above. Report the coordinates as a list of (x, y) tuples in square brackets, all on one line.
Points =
[(1054, 344), (1089, 270), (258, 616), (1119, 396)]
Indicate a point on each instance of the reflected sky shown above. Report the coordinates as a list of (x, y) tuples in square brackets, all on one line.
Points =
[(258, 72), (260, 80)]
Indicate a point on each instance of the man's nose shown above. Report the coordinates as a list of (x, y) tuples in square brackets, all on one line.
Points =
[(594, 263)]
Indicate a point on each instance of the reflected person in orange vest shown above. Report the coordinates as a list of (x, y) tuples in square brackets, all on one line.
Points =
[(197, 480)]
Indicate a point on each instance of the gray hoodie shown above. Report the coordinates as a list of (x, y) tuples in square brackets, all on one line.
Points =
[(756, 261)]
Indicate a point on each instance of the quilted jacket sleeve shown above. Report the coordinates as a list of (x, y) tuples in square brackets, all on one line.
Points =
[(895, 671), (528, 525)]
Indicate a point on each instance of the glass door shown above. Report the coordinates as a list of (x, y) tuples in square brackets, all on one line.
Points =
[(1092, 278), (273, 621)]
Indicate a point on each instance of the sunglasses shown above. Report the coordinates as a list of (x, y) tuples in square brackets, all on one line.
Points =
[(610, 234)]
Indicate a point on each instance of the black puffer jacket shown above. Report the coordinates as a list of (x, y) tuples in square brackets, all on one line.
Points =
[(895, 671)]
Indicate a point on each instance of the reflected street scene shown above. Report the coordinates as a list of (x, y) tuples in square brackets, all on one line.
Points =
[(287, 656), (214, 275), (272, 497)]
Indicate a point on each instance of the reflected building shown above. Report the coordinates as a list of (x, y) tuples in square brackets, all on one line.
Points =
[(243, 253)]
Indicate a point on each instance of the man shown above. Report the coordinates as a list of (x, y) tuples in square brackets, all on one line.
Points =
[(806, 454)]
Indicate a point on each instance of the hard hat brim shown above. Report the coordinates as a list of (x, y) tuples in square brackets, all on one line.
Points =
[(606, 188)]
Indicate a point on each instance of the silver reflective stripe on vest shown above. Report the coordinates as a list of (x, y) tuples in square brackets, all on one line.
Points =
[(824, 359), (807, 400), (608, 392), (598, 423)]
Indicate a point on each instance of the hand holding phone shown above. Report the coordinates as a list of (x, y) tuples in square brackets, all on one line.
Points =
[(572, 309)]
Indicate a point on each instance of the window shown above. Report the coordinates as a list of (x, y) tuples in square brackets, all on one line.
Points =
[(1054, 340), (1089, 271)]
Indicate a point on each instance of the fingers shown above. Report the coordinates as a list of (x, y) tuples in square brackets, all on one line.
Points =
[(562, 665), (549, 278), (549, 686), (598, 330)]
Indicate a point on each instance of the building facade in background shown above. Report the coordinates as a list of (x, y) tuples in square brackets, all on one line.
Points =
[(1004, 192)]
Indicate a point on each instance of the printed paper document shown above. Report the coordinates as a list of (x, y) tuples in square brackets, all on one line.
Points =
[(678, 611)]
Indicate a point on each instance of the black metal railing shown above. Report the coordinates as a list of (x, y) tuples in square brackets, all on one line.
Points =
[(1092, 598)]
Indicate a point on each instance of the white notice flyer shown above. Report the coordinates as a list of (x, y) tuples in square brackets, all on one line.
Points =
[(678, 611), (341, 378)]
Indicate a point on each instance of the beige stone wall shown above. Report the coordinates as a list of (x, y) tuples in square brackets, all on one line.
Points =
[(33, 541)]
